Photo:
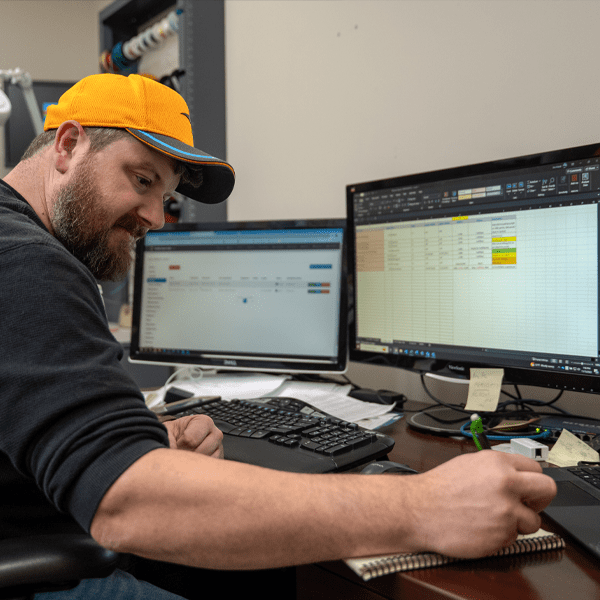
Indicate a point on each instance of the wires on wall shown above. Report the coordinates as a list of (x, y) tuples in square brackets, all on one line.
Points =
[(124, 56)]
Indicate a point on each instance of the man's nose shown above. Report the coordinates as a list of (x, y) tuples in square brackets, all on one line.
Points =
[(152, 213)]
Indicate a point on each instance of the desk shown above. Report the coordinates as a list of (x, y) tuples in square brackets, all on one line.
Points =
[(553, 575)]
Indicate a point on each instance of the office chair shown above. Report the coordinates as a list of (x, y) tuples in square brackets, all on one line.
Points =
[(48, 563)]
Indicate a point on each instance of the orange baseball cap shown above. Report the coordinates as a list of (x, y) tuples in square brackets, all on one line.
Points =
[(154, 114)]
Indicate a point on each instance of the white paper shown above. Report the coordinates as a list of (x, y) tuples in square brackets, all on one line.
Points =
[(333, 399), (377, 422), (243, 386), (569, 450)]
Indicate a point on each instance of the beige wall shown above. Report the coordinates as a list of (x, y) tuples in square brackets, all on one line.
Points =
[(325, 93), (54, 40)]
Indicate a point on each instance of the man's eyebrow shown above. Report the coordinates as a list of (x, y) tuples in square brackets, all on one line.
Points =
[(149, 167)]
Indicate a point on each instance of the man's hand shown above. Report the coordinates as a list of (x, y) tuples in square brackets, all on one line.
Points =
[(477, 503), (196, 433)]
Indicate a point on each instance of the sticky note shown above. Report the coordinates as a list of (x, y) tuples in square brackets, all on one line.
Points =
[(484, 389), (569, 450)]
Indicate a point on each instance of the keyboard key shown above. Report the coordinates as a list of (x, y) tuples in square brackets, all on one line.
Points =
[(310, 445), (247, 433), (339, 449), (223, 425), (360, 442), (283, 429), (237, 431), (277, 439)]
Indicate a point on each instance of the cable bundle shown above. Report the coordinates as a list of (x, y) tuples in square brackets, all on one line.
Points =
[(123, 58)]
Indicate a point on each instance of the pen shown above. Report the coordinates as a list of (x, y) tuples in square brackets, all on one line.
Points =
[(479, 438)]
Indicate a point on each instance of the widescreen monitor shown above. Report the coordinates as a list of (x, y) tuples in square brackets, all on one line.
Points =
[(487, 265), (259, 295)]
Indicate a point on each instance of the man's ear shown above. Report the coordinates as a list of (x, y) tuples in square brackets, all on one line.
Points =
[(70, 139)]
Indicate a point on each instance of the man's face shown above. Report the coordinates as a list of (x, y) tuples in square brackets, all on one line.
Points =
[(109, 202)]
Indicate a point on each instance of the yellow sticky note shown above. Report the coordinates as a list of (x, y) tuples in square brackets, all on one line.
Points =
[(569, 450), (484, 389)]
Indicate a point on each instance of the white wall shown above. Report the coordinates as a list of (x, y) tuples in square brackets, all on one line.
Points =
[(324, 93), (53, 40)]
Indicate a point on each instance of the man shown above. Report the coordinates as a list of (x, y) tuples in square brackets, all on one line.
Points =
[(76, 425)]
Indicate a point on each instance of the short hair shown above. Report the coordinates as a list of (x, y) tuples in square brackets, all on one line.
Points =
[(100, 138)]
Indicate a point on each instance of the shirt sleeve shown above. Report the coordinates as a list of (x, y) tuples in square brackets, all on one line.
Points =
[(71, 418)]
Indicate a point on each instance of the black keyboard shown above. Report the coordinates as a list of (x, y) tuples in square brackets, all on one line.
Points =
[(286, 434), (589, 474)]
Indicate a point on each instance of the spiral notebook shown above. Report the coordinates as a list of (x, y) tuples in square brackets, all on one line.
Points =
[(367, 568)]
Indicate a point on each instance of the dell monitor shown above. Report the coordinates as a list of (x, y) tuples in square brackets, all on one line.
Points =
[(487, 265), (259, 295)]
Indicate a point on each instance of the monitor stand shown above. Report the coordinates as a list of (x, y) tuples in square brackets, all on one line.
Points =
[(433, 420)]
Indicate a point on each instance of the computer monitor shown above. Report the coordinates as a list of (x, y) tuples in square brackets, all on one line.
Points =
[(486, 265), (261, 295), (19, 130)]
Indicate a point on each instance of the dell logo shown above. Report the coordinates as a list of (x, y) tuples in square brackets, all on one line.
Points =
[(231, 363)]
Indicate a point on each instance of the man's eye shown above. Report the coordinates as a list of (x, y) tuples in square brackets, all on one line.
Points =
[(143, 181)]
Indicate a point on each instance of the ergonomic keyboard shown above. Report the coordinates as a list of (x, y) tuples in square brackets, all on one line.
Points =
[(285, 434)]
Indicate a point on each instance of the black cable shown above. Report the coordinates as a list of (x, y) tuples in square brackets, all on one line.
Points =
[(459, 408), (524, 408)]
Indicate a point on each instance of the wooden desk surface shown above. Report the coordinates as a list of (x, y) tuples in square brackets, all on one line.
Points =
[(570, 574)]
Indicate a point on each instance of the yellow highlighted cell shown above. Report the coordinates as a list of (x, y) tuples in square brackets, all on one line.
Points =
[(508, 260)]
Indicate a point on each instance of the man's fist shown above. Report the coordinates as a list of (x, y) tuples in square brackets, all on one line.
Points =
[(196, 433)]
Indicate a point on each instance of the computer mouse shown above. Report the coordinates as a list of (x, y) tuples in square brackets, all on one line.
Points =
[(387, 466), (378, 396)]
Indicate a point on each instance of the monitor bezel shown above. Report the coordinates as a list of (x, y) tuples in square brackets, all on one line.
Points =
[(243, 361), (460, 368)]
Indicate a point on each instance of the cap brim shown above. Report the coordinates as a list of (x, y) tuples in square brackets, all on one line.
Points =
[(218, 177)]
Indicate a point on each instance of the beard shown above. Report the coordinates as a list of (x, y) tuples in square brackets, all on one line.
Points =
[(83, 226)]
